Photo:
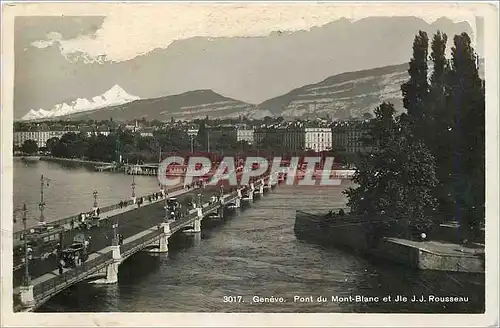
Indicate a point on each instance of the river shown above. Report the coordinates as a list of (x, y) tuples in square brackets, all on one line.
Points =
[(70, 188), (255, 253)]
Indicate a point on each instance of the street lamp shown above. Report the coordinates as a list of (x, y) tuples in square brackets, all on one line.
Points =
[(27, 278), (199, 200), (115, 233), (95, 198), (191, 137), (43, 182), (133, 185), (166, 207)]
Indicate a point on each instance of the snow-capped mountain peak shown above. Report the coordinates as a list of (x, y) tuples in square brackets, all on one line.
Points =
[(114, 96)]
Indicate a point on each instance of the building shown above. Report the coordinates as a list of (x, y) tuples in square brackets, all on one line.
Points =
[(40, 137), (94, 131), (146, 132), (293, 137), (347, 136), (285, 137), (244, 133), (318, 139), (220, 136), (192, 132)]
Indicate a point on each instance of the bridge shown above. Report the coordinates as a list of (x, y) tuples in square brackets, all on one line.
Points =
[(102, 266)]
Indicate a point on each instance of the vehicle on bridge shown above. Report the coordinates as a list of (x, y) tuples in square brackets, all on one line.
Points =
[(173, 204), (231, 206), (73, 254), (213, 216), (42, 242), (173, 209), (90, 222)]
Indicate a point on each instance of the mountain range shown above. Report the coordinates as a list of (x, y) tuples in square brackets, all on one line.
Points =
[(342, 96), (252, 69), (114, 96)]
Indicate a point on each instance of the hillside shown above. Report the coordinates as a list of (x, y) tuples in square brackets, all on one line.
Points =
[(344, 95), (340, 96), (188, 105)]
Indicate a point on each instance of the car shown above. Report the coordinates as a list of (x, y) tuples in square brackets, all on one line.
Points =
[(72, 252), (173, 203)]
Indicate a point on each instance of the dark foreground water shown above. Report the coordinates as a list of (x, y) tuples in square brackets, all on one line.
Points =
[(255, 253)]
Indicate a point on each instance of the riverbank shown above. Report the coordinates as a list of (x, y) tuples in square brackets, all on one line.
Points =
[(352, 233), (71, 160)]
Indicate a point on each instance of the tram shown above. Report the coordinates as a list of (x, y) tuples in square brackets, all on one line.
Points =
[(42, 242)]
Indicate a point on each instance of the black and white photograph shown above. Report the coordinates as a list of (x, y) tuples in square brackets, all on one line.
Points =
[(280, 159)]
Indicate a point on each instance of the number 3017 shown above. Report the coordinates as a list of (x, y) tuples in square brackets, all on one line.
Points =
[(232, 299)]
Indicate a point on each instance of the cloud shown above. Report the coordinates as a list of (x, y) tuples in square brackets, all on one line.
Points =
[(129, 32), (40, 44)]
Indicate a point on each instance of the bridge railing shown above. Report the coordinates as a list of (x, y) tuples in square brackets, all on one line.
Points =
[(176, 223), (51, 286), (127, 248), (66, 220)]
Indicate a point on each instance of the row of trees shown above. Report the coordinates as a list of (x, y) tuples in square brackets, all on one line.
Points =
[(427, 165), (143, 122), (132, 146)]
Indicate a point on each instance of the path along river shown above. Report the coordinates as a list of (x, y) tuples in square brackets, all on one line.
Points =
[(254, 253)]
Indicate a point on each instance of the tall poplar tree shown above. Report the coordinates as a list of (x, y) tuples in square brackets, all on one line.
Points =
[(467, 100), (440, 121), (202, 136), (416, 89)]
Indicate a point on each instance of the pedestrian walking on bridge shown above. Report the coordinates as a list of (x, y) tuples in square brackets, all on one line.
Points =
[(60, 266)]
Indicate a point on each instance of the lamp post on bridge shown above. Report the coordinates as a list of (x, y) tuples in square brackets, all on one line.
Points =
[(191, 139), (115, 234), (133, 187), (43, 182), (27, 278), (167, 213)]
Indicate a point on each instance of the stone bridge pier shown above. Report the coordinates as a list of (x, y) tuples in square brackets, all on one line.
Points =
[(198, 219), (163, 243), (27, 296), (221, 208), (261, 187), (237, 202), (252, 189), (112, 268)]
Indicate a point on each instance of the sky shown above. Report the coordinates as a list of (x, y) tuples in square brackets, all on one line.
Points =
[(250, 52), (123, 34)]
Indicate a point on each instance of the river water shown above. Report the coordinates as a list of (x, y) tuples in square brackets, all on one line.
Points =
[(254, 253), (70, 188)]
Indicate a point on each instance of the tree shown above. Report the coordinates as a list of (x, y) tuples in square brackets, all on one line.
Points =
[(467, 98), (29, 147), (416, 89), (396, 178), (202, 136), (367, 116), (440, 120)]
